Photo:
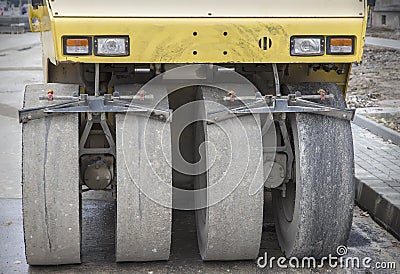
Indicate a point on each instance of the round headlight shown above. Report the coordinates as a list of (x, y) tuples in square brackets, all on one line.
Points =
[(309, 46), (112, 46), (306, 46)]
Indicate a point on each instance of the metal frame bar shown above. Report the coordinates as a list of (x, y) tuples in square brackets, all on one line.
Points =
[(97, 80), (276, 79), (86, 132), (293, 103), (93, 104), (286, 148)]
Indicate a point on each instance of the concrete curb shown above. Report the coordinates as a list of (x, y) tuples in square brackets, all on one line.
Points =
[(377, 129), (379, 201)]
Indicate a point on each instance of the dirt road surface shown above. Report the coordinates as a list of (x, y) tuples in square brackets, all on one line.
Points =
[(376, 82)]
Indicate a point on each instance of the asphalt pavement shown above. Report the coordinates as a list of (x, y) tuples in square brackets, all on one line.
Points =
[(382, 42), (17, 58)]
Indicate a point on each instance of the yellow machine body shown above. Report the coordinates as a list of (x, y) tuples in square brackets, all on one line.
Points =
[(222, 32), (214, 39)]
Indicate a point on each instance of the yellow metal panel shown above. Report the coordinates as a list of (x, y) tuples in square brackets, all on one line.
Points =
[(301, 73), (39, 19), (215, 40), (208, 8)]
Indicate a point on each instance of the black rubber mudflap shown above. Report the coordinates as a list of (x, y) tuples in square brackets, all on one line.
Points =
[(50, 182)]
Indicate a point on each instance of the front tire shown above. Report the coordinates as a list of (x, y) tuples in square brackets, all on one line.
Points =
[(315, 216)]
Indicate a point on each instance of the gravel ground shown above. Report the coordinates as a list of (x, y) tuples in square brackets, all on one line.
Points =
[(376, 82)]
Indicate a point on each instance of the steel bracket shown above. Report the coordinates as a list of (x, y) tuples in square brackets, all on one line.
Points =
[(293, 103), (102, 120), (93, 104)]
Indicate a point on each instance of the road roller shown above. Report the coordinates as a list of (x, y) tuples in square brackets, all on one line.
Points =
[(182, 105)]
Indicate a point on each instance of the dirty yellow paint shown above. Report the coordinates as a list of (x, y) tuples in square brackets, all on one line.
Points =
[(39, 19), (209, 8), (210, 40)]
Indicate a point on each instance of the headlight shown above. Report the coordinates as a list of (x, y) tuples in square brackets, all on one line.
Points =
[(340, 45), (111, 46), (307, 46), (77, 45)]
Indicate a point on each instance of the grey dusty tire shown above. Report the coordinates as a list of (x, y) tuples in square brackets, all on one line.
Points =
[(144, 181), (230, 227), (316, 215), (50, 182)]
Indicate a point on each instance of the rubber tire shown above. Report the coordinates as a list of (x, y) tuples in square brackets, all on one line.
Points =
[(50, 182), (231, 228), (144, 188), (324, 194)]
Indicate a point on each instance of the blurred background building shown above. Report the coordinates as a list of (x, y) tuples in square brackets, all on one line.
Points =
[(386, 14), (14, 16)]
